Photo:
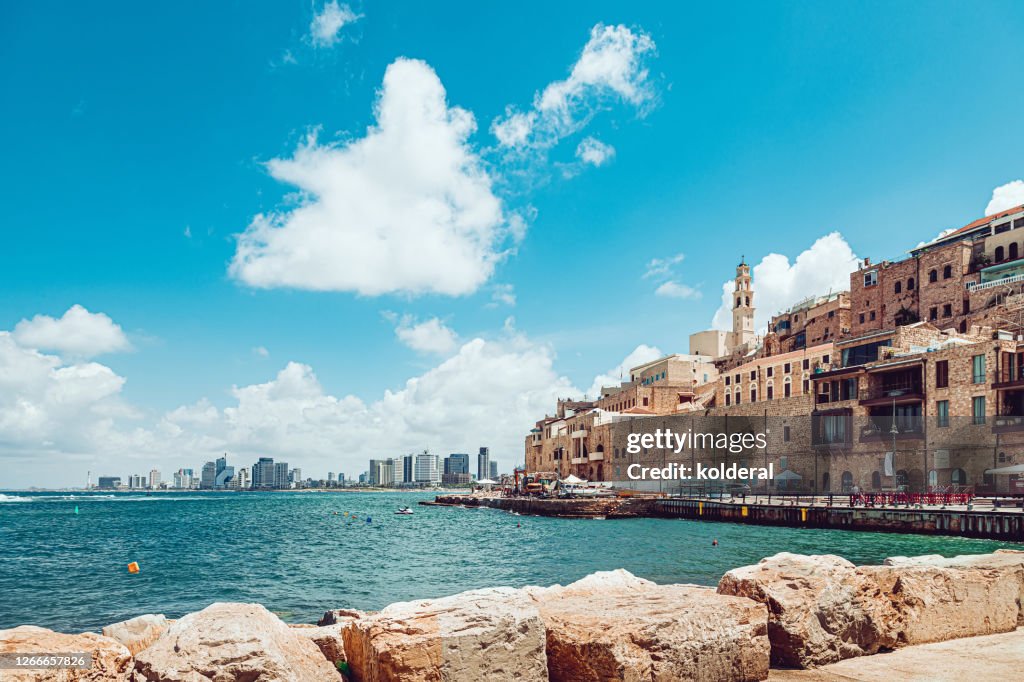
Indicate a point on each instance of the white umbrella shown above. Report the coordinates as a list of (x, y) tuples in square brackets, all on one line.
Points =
[(573, 480), (486, 481), (1015, 469)]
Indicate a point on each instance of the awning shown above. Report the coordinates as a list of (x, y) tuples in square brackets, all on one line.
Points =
[(485, 481), (1015, 469), (788, 475)]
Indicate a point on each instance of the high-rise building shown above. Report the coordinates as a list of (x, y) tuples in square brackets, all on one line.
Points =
[(108, 482), (483, 464), (154, 479), (295, 476), (382, 472), (263, 473), (181, 480), (136, 482), (398, 467), (330, 477), (494, 471), (222, 462), (241, 479), (281, 475), (456, 463), (427, 469), (209, 476)]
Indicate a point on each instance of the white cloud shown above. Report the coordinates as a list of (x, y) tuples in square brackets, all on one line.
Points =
[(261, 351), (1006, 196), (59, 419), (612, 67), (594, 152), (325, 29), (77, 333), (672, 289), (430, 336), (778, 284), (662, 267), (640, 355), (408, 208), (502, 294)]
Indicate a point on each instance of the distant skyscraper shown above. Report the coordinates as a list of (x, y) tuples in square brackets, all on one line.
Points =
[(456, 463), (154, 479), (209, 476), (483, 464), (108, 482), (494, 471), (263, 473), (295, 475), (281, 475), (362, 477), (428, 469), (382, 472), (330, 477), (222, 462), (241, 479)]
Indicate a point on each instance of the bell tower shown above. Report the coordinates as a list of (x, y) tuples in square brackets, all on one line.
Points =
[(743, 307)]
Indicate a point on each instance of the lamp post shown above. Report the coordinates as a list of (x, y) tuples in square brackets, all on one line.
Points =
[(895, 432)]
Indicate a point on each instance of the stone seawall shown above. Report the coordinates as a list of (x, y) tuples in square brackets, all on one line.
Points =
[(1007, 525), (788, 611)]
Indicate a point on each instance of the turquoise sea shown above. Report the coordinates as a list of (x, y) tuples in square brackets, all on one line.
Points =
[(294, 554)]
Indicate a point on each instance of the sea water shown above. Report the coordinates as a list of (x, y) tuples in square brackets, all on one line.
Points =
[(301, 553)]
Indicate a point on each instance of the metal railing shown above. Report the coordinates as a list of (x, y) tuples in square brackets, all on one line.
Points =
[(1006, 281)]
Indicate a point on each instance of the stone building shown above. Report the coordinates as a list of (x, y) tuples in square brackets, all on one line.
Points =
[(743, 338), (811, 322)]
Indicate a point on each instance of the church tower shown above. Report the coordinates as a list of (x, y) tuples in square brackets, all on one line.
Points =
[(743, 308)]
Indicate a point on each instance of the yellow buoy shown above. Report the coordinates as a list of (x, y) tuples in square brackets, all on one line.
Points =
[(133, 567)]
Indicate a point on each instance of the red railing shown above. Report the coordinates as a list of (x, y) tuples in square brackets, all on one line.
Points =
[(874, 499)]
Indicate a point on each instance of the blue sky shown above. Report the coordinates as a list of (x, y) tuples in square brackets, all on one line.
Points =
[(136, 146)]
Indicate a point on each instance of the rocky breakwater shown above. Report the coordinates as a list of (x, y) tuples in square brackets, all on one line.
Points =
[(823, 609), (571, 508), (790, 610)]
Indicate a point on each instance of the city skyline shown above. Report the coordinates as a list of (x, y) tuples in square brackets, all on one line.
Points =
[(160, 310)]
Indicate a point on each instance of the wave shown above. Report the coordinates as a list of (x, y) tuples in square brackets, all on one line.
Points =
[(14, 498)]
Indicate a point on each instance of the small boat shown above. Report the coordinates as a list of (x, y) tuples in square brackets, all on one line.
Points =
[(405, 511)]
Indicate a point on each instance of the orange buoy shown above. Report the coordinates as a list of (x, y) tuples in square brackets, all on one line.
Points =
[(133, 567)]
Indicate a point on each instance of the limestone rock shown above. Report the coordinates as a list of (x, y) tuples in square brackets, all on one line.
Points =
[(328, 638), (226, 642), (820, 608), (137, 633), (490, 635), (615, 626), (343, 616), (111, 660), (1003, 561)]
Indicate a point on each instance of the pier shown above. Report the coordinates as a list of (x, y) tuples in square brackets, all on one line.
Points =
[(979, 519)]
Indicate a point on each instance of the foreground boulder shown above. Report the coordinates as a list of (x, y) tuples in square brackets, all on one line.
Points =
[(139, 632), (226, 642), (111, 660), (491, 635), (615, 626), (1004, 561), (823, 609), (820, 609), (328, 638)]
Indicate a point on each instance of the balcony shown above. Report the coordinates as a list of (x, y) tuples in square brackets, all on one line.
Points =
[(578, 460), (1009, 377), (886, 394), (579, 433), (879, 431), (596, 456), (1007, 424)]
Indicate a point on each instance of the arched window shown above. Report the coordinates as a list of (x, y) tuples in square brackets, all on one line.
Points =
[(825, 481), (999, 253), (771, 390), (910, 284), (753, 394), (933, 275), (746, 301), (876, 480), (899, 287), (958, 477), (847, 482), (933, 479), (1014, 254), (901, 479), (947, 272), (787, 388)]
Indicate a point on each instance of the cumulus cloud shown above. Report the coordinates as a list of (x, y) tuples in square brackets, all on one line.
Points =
[(778, 284), (408, 208), (430, 336), (77, 333), (594, 152), (640, 355), (325, 28), (672, 289), (1006, 196), (59, 418), (611, 68)]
